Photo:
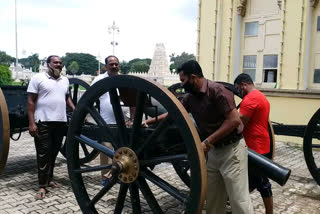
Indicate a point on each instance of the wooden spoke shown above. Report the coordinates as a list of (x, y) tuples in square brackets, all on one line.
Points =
[(75, 94), (118, 114), (135, 199), (157, 132), (121, 198), (163, 185), (102, 192), (93, 169), (141, 98), (94, 144), (148, 195), (158, 160)]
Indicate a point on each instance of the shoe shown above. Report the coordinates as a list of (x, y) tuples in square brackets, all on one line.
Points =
[(105, 182)]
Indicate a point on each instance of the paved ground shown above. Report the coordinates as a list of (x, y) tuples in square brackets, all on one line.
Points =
[(18, 185)]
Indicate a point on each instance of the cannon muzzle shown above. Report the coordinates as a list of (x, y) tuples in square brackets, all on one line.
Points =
[(268, 168)]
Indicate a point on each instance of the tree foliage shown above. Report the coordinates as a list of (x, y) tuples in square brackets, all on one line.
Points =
[(135, 66), (88, 64), (179, 60), (73, 67), (32, 62), (5, 75), (5, 59)]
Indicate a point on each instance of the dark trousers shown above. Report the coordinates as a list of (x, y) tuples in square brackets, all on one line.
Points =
[(48, 143)]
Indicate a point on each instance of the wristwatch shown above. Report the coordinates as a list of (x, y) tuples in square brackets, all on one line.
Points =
[(206, 141)]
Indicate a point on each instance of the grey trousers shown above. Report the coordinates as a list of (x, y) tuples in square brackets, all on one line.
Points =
[(227, 169)]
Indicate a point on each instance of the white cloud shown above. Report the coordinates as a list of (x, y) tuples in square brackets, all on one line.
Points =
[(57, 27)]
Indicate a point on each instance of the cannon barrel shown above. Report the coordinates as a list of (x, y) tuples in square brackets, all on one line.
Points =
[(268, 168)]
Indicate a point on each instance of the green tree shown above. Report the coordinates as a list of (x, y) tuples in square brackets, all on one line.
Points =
[(179, 60), (5, 75), (5, 59), (139, 65), (88, 64), (32, 62), (73, 67), (124, 67)]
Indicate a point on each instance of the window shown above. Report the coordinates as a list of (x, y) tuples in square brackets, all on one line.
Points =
[(316, 76), (318, 24), (270, 67), (249, 66), (251, 29)]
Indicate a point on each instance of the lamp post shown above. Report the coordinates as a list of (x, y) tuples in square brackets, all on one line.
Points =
[(15, 5), (112, 30)]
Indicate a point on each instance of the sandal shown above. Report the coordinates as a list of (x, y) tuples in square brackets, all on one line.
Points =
[(53, 184), (41, 194)]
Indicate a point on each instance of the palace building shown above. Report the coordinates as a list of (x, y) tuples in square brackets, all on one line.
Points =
[(276, 42)]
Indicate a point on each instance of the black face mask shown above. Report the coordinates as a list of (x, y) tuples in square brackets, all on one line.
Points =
[(188, 87)]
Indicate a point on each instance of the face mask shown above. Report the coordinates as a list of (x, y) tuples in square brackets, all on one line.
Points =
[(188, 87), (240, 91)]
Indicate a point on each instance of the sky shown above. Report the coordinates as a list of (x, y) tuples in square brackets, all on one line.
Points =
[(56, 27)]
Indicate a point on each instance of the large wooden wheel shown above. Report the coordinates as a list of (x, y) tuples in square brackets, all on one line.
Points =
[(136, 151), (311, 146), (4, 132), (87, 154)]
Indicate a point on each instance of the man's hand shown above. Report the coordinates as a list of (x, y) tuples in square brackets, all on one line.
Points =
[(205, 147), (33, 129), (144, 124)]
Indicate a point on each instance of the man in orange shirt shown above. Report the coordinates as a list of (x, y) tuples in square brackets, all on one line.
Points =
[(254, 113)]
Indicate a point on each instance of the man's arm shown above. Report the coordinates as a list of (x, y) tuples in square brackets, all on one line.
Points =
[(245, 119), (154, 119), (32, 98), (69, 102), (231, 122)]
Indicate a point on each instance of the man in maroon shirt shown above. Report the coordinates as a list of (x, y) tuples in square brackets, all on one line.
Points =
[(214, 110), (254, 113)]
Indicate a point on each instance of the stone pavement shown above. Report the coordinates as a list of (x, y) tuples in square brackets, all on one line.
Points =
[(18, 185)]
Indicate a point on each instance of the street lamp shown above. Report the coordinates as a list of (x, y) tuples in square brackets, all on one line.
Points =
[(15, 7), (113, 29)]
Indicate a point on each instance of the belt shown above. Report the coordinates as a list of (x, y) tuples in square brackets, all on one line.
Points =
[(222, 144)]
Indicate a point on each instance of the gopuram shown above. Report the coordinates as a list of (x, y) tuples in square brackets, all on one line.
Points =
[(159, 68)]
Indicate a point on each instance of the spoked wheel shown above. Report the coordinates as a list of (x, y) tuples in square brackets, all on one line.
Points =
[(4, 132), (77, 86), (311, 146), (137, 152)]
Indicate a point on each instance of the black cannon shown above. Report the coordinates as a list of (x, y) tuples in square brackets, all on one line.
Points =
[(14, 116), (138, 150)]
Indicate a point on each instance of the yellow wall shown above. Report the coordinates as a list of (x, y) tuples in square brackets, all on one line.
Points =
[(216, 54)]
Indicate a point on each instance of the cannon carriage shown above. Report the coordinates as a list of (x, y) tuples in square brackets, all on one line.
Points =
[(138, 150)]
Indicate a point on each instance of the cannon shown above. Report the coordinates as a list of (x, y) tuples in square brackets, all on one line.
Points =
[(14, 117), (138, 150)]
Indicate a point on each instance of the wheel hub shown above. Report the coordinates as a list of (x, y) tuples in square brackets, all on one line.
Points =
[(129, 164)]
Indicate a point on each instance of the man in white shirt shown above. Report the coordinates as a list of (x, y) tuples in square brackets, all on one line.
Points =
[(47, 100), (106, 111)]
